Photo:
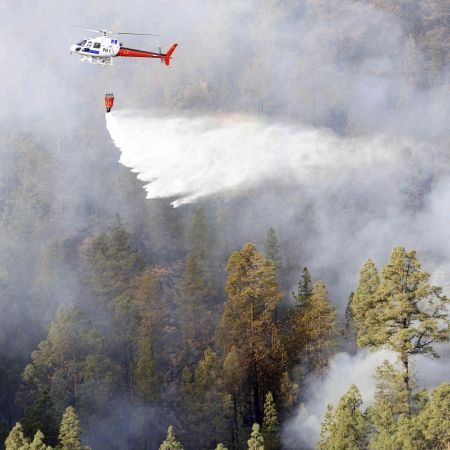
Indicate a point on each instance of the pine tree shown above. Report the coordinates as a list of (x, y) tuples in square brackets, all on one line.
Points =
[(170, 443), (288, 391), (247, 323), (304, 289), (317, 326), (408, 436), (434, 419), (387, 407), (256, 441), (41, 415), (270, 424), (70, 431), (38, 442), (198, 291), (273, 252), (233, 383), (295, 332), (146, 375), (405, 314), (140, 317), (16, 440), (343, 429), (363, 298), (198, 236), (112, 262), (221, 447), (69, 364), (208, 418), (350, 325)]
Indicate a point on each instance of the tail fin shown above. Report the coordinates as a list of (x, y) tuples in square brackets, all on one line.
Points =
[(168, 55)]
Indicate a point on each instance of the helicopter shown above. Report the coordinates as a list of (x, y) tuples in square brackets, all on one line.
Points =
[(102, 49)]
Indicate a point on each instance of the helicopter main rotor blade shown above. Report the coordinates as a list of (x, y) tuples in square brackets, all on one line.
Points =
[(108, 32), (88, 29), (137, 34)]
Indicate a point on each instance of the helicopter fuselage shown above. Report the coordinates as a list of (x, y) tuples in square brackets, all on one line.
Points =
[(102, 49)]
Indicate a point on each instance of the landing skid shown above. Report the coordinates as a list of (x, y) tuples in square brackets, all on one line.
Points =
[(103, 61)]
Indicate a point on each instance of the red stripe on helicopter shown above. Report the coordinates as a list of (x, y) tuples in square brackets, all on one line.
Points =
[(132, 53)]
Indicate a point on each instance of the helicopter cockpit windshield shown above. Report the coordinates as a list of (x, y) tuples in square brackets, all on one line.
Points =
[(81, 43)]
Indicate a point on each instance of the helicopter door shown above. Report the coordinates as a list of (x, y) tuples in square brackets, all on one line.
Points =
[(87, 46)]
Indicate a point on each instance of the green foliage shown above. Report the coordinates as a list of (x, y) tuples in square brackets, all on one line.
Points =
[(247, 323), (304, 289), (256, 441), (343, 429), (233, 384), (315, 330), (403, 313), (198, 292), (198, 236), (207, 417), (170, 443), (38, 442), (270, 423), (69, 365), (140, 317), (41, 416), (16, 439), (272, 250), (70, 431), (387, 408), (112, 262), (146, 376), (434, 419), (350, 324), (363, 299), (288, 391), (407, 436)]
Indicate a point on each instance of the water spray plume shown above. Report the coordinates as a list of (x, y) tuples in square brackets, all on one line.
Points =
[(188, 158)]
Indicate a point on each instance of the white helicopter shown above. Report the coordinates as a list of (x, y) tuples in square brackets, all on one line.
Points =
[(102, 49)]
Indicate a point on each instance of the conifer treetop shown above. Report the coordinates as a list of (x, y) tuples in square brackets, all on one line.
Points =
[(170, 443), (256, 441)]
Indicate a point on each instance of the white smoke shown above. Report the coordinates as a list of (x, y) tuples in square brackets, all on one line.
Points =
[(189, 158), (345, 369)]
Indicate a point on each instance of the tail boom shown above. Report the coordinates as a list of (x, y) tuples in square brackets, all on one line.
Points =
[(134, 53)]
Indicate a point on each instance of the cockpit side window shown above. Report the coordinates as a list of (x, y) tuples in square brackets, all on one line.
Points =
[(97, 45), (89, 44), (81, 43)]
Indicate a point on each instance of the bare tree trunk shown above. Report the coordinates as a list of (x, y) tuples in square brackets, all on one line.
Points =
[(405, 363)]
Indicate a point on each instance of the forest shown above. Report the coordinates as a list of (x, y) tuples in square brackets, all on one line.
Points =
[(128, 323)]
